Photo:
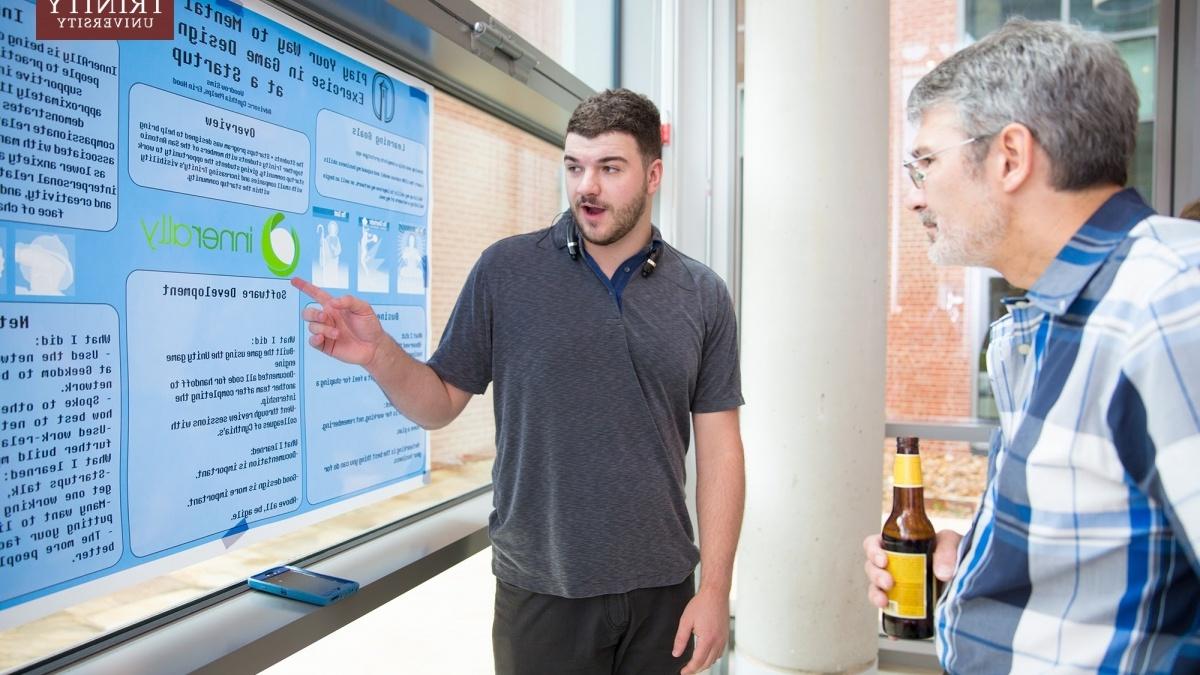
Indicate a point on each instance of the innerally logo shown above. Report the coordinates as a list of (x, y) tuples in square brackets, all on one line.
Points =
[(279, 250)]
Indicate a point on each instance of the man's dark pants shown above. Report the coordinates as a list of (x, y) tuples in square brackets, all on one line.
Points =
[(618, 634)]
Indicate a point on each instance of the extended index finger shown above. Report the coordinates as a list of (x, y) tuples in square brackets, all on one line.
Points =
[(311, 291)]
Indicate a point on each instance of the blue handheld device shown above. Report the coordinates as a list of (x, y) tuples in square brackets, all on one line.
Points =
[(300, 584)]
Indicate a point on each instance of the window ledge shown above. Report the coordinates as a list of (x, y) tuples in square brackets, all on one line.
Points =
[(244, 631)]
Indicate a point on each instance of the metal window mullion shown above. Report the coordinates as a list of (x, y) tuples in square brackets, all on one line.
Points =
[(1166, 113), (614, 80), (968, 431)]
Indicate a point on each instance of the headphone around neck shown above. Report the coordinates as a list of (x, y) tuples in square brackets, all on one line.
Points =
[(575, 247)]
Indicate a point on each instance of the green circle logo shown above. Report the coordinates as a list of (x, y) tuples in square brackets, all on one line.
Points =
[(280, 251)]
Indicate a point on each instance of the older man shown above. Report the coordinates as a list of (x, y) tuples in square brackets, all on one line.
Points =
[(1082, 555)]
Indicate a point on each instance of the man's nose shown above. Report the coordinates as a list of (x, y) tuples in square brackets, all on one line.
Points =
[(587, 185), (914, 197)]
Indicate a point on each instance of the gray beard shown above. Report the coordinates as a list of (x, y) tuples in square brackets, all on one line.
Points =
[(970, 247)]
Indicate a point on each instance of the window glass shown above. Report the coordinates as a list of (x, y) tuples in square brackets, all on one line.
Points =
[(1140, 55), (539, 22), (985, 16), (1141, 174), (951, 475), (489, 180), (1115, 16), (577, 34)]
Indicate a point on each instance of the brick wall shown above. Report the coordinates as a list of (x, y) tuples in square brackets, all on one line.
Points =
[(929, 357), (490, 180), (929, 360)]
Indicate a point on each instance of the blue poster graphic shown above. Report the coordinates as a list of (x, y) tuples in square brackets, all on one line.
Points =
[(157, 394), (60, 433), (346, 407)]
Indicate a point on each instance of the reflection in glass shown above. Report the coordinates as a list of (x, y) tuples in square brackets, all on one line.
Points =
[(1141, 171), (1139, 55), (985, 16), (1115, 16)]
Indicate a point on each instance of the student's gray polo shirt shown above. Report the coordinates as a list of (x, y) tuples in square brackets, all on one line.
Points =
[(593, 405)]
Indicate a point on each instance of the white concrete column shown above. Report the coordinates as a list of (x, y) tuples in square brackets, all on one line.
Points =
[(815, 285)]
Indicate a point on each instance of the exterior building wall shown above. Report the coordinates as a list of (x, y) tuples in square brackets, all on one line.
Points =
[(490, 181), (930, 358)]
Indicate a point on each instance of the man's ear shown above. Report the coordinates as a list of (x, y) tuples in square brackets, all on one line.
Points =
[(1017, 156), (654, 176)]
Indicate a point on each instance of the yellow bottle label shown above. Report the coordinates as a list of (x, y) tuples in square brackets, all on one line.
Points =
[(906, 599), (907, 472)]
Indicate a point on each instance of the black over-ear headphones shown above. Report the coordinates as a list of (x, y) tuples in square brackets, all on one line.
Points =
[(575, 250), (651, 263)]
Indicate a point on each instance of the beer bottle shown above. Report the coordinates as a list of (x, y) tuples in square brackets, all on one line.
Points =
[(908, 539)]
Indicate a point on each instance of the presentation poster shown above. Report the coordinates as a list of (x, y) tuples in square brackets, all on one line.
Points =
[(158, 399)]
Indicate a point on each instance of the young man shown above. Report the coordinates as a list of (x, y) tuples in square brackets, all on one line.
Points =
[(1082, 555), (606, 347)]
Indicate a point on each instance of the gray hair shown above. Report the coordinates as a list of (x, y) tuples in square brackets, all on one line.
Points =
[(1070, 88)]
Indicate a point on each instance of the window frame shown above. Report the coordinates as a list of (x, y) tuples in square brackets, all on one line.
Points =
[(538, 97)]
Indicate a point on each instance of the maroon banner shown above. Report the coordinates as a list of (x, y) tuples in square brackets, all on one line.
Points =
[(105, 19)]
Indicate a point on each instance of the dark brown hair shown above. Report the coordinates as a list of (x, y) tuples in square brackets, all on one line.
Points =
[(624, 111)]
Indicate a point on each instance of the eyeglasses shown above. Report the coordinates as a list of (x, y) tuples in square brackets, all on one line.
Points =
[(918, 167)]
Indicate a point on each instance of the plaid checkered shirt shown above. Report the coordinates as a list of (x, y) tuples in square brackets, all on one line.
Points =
[(1083, 554)]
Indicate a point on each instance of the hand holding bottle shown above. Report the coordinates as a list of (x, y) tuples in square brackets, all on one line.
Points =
[(945, 554)]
